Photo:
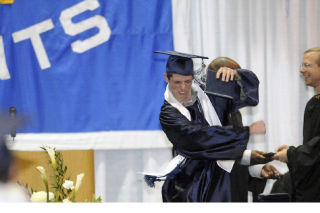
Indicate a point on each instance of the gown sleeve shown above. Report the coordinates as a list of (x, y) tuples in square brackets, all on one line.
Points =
[(245, 93), (196, 141), (311, 124), (249, 89), (303, 164)]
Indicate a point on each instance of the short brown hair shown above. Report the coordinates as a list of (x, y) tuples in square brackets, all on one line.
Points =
[(169, 75), (219, 62), (314, 49)]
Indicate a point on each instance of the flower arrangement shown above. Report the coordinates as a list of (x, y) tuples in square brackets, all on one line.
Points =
[(63, 188)]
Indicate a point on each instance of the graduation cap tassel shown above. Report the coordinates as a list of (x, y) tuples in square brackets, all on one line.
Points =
[(150, 179), (200, 74), (176, 165), (203, 76)]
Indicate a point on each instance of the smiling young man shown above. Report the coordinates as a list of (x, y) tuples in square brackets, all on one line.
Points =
[(194, 122), (302, 180)]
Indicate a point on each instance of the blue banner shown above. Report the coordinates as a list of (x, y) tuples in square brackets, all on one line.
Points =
[(84, 65)]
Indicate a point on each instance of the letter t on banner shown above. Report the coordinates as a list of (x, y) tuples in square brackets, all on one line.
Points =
[(33, 33)]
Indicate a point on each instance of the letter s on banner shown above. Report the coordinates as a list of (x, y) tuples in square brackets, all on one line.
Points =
[(74, 29)]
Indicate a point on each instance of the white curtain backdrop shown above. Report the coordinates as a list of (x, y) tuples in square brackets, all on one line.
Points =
[(267, 37)]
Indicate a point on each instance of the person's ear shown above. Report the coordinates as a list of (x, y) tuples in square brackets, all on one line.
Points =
[(166, 77)]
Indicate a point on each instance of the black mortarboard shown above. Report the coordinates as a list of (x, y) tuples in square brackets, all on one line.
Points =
[(217, 87), (180, 63)]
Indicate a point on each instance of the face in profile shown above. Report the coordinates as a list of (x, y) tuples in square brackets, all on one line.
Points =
[(310, 69), (180, 86)]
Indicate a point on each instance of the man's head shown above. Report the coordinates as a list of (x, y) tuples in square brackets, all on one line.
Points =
[(219, 62), (179, 74), (310, 67)]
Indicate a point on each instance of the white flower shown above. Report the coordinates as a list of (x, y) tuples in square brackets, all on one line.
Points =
[(66, 201), (51, 154), (43, 173), (79, 180), (41, 196), (76, 188), (68, 184)]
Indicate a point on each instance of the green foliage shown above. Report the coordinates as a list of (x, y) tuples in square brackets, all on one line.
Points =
[(59, 174), (96, 200)]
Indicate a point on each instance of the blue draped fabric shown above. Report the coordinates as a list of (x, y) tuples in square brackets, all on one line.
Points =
[(113, 82)]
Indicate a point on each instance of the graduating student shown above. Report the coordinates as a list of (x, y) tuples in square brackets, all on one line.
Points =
[(302, 181), (194, 123)]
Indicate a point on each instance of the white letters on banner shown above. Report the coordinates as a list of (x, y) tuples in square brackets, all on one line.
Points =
[(4, 73), (74, 29), (33, 33)]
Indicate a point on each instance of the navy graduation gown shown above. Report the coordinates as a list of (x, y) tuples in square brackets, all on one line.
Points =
[(201, 179)]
